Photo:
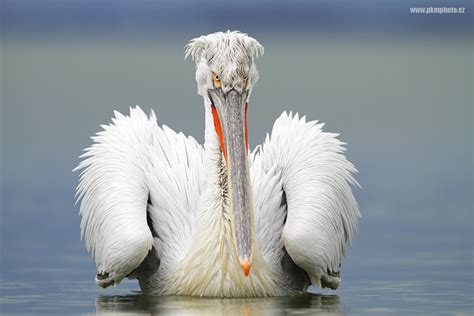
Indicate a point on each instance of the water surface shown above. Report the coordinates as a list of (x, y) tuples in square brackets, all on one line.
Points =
[(358, 298)]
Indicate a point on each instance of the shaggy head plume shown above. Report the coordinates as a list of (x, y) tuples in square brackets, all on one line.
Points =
[(230, 55)]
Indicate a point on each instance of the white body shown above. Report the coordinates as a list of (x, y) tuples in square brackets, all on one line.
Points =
[(153, 208)]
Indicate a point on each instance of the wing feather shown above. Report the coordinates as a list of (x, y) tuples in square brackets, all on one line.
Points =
[(113, 194), (316, 179), (175, 180), (267, 201), (131, 163)]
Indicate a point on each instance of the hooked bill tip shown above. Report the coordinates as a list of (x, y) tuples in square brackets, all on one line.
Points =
[(246, 267)]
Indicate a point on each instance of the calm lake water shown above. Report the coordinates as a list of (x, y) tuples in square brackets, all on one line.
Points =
[(358, 298), (403, 105)]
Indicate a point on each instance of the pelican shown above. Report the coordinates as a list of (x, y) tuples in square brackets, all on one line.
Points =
[(217, 219)]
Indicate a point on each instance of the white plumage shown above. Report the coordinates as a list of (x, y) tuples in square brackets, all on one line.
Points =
[(158, 206)]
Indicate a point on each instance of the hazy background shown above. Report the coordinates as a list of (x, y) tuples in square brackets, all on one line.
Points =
[(398, 87)]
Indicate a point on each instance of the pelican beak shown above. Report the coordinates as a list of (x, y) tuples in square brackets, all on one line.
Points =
[(230, 121)]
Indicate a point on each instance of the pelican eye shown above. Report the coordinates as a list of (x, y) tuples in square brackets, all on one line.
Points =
[(217, 80)]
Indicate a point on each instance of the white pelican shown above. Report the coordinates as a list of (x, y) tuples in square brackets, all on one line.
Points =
[(217, 220)]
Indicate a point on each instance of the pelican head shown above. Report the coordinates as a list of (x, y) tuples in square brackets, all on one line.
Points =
[(225, 75)]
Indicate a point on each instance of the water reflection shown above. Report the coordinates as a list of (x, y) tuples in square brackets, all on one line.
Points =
[(355, 298), (139, 304)]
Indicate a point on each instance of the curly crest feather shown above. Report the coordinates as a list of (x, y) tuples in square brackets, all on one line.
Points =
[(231, 55)]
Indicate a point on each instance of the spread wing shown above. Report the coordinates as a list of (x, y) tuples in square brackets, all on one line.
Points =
[(138, 188), (316, 179)]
